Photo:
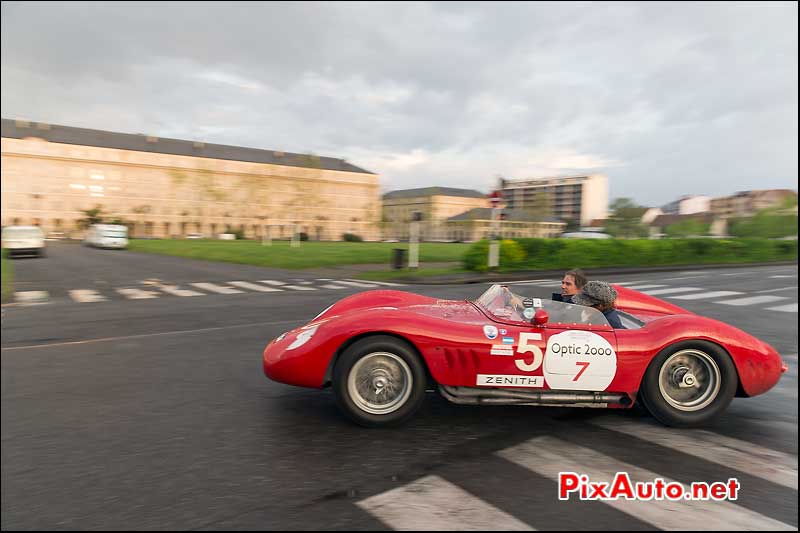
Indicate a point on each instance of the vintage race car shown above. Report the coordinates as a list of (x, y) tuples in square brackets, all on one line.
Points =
[(381, 350)]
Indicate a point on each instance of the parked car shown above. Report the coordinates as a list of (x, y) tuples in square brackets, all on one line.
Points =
[(107, 236), (24, 240)]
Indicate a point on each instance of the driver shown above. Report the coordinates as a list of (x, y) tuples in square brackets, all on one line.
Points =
[(572, 282), (601, 296)]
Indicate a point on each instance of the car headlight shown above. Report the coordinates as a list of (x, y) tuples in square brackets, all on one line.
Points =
[(303, 337)]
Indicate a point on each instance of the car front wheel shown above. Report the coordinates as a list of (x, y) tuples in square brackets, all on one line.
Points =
[(689, 384), (379, 381)]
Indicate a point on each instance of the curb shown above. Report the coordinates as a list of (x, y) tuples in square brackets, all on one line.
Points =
[(591, 272)]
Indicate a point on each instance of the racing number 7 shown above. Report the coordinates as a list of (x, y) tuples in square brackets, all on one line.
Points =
[(585, 365)]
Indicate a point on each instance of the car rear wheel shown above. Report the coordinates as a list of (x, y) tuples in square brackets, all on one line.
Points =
[(689, 383), (379, 381)]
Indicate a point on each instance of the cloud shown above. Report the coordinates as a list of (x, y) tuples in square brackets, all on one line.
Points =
[(666, 99)]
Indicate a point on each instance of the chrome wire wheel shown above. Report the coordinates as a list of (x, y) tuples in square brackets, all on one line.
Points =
[(689, 380), (380, 383)]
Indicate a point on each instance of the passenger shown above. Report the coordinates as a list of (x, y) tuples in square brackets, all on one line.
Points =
[(572, 282), (601, 296)]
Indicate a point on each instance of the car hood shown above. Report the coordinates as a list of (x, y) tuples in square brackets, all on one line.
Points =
[(414, 303)]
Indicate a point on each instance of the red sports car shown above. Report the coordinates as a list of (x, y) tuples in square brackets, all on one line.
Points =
[(381, 350)]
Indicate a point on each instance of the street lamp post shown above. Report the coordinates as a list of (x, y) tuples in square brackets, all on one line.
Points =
[(413, 241)]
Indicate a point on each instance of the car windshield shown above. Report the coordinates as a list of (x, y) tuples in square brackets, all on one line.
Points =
[(114, 233), (506, 305)]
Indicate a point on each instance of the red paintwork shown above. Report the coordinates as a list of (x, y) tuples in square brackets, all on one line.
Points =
[(449, 336)]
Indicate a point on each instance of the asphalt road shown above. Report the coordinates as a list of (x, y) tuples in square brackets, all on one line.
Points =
[(153, 413)]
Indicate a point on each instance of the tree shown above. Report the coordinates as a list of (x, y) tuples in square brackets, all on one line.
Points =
[(626, 220), (93, 216)]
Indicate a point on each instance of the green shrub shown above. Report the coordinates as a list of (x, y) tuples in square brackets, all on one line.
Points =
[(351, 237)]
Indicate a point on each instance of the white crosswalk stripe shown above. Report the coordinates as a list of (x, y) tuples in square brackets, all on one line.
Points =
[(332, 286), (177, 291), (548, 456), (434, 504), (777, 467), (272, 282), (752, 300), (790, 308), (640, 287), (219, 289), (31, 297), (672, 290), (299, 287), (253, 286), (385, 283), (364, 284), (86, 296), (705, 295), (137, 294)]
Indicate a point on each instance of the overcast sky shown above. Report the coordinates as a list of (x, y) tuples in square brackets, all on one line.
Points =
[(665, 99)]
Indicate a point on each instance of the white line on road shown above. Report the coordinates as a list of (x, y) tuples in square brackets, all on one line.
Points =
[(386, 283), (549, 456), (31, 297), (86, 296), (752, 300), (332, 286), (176, 291), (640, 287), (790, 308), (137, 294), (253, 286), (213, 287), (298, 287), (125, 337), (672, 290), (434, 504), (705, 295), (782, 289), (357, 283), (272, 282), (774, 466)]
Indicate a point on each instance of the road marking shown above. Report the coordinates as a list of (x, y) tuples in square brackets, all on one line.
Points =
[(672, 290), (174, 290), (782, 276), (332, 286), (752, 300), (683, 277), (434, 504), (640, 287), (356, 283), (31, 297), (781, 289), (86, 296), (626, 283), (705, 295), (213, 287), (126, 337), (253, 286), (298, 287), (386, 283), (777, 467), (549, 455), (272, 282), (137, 294), (790, 308)]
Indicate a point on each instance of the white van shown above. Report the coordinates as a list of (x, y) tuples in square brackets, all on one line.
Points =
[(106, 236), (23, 240)]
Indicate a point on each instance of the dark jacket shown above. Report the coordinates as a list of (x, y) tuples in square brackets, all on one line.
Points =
[(558, 298), (614, 319)]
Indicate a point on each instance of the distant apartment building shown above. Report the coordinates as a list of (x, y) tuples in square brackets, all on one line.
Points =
[(476, 224), (688, 205), (170, 188), (748, 203), (579, 199), (432, 206)]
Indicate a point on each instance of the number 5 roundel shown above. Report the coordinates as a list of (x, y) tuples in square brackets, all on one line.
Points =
[(579, 360)]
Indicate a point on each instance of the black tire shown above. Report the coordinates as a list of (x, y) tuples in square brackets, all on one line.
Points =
[(395, 370), (697, 404)]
